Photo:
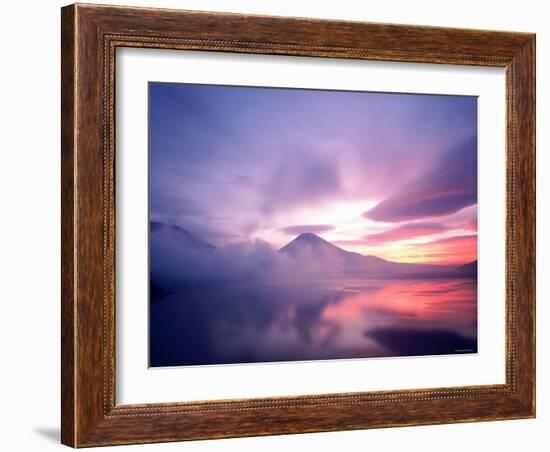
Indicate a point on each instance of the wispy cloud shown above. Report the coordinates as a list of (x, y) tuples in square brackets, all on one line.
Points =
[(297, 179), (405, 232), (447, 187), (458, 249), (301, 228)]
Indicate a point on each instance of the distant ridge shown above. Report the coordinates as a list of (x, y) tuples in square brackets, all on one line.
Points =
[(314, 255), (178, 236), (467, 270), (310, 246)]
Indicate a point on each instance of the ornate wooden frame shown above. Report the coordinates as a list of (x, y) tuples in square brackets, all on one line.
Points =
[(90, 35)]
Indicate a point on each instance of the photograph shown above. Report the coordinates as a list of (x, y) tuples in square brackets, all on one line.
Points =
[(291, 224)]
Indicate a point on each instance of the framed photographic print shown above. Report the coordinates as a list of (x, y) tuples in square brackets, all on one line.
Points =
[(280, 225)]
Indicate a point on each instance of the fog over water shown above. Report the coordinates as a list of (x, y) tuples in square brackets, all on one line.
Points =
[(310, 300)]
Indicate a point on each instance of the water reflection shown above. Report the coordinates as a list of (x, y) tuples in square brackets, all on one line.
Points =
[(329, 319)]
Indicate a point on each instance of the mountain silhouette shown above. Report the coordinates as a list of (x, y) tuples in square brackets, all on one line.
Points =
[(313, 243), (310, 247), (177, 236), (467, 270), (174, 249)]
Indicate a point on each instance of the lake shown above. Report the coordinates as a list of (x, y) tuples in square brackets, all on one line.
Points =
[(201, 324)]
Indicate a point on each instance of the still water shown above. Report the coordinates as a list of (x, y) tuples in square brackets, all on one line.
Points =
[(329, 319)]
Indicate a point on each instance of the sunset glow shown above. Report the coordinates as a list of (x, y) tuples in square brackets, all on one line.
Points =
[(418, 241)]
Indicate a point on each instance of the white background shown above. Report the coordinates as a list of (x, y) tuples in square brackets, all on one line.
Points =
[(138, 384), (29, 236)]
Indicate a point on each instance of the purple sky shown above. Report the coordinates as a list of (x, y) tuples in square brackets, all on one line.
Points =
[(388, 174)]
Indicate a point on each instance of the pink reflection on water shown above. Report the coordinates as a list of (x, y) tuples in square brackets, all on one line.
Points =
[(424, 305), (431, 300)]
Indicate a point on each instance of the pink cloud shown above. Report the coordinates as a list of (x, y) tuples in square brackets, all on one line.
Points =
[(404, 232), (470, 225), (449, 186), (459, 249)]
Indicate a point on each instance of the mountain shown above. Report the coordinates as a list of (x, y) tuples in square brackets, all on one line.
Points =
[(177, 236), (331, 259), (467, 270), (156, 292), (175, 255), (309, 242)]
